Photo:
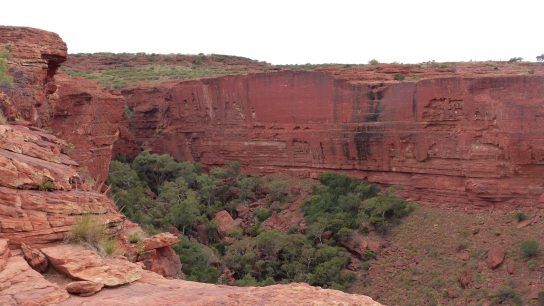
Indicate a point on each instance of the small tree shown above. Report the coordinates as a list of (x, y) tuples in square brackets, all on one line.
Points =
[(515, 59), (540, 58), (529, 248)]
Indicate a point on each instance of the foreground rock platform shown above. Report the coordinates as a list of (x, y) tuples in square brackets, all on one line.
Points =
[(83, 264), (153, 289), (21, 285)]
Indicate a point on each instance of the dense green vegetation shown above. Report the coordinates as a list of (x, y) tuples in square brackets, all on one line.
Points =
[(160, 193)]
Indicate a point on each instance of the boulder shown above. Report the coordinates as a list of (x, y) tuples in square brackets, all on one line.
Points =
[(358, 245), (225, 222), (35, 258), (80, 263), (159, 241), (84, 288), (495, 257), (21, 285), (163, 261)]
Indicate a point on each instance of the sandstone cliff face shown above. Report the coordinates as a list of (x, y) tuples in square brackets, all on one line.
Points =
[(455, 141), (88, 117), (33, 59)]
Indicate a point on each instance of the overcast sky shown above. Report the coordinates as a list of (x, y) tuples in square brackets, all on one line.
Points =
[(295, 31)]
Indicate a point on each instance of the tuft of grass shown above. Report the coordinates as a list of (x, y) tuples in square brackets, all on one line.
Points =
[(134, 237), (3, 119), (529, 248), (109, 247), (88, 229), (46, 185)]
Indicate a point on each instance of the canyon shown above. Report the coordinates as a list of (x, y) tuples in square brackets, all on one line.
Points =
[(55, 150), (466, 136)]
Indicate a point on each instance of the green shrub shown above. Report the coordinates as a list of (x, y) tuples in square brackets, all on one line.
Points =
[(373, 62), (46, 185), (520, 216), (88, 229), (540, 299), (5, 78), (262, 214), (369, 255), (399, 77), (384, 211), (529, 248), (69, 148), (506, 296)]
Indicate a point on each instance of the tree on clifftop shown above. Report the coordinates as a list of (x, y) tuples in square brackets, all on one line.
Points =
[(540, 58)]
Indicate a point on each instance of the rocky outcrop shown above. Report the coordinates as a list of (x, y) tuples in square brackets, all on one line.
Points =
[(225, 223), (82, 264), (152, 289), (465, 138), (21, 285), (41, 193), (33, 59)]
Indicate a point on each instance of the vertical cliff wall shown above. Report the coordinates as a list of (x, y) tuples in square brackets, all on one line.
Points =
[(33, 58), (455, 141)]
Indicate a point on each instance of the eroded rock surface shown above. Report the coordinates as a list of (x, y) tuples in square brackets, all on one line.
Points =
[(80, 263), (152, 289), (21, 285)]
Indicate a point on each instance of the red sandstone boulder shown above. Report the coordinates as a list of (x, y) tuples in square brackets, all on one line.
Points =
[(160, 240), (225, 222), (80, 263), (35, 258), (83, 288), (358, 245), (495, 257), (21, 285)]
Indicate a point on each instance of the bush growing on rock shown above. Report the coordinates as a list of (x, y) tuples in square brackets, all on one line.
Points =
[(529, 248)]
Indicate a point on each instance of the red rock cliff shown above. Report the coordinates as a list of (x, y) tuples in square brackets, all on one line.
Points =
[(465, 140), (33, 59)]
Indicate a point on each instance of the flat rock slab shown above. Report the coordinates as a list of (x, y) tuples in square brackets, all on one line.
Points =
[(80, 263), (21, 285)]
